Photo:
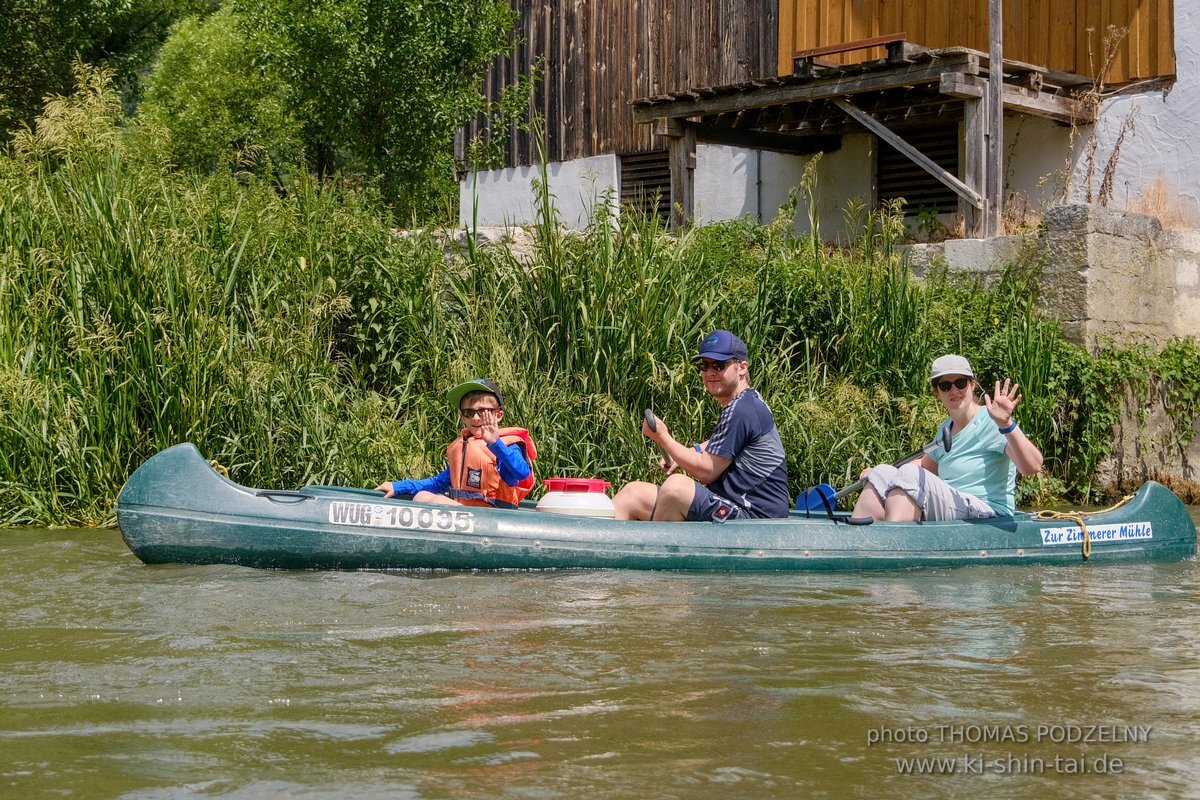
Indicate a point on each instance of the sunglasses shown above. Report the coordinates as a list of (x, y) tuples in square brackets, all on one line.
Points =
[(472, 413), (960, 383), (702, 366)]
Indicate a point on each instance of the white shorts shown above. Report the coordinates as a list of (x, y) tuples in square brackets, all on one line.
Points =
[(938, 499)]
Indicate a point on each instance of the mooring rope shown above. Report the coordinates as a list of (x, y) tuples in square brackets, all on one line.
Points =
[(219, 467), (1077, 516)]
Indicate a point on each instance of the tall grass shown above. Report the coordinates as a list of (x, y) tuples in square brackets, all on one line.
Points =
[(289, 334)]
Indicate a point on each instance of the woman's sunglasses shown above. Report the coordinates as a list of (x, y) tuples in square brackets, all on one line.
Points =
[(960, 383)]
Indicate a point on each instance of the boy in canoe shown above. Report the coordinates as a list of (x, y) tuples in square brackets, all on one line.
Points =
[(740, 471), (487, 465)]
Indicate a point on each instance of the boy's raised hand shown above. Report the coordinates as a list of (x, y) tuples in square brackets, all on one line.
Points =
[(489, 429)]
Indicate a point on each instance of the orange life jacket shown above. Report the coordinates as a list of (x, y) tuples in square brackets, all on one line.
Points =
[(474, 477)]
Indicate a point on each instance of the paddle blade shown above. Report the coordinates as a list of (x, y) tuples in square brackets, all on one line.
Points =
[(814, 499)]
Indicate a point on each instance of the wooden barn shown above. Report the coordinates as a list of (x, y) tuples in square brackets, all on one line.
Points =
[(711, 109)]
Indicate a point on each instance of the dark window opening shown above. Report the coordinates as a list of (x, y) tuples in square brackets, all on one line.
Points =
[(646, 183), (898, 177)]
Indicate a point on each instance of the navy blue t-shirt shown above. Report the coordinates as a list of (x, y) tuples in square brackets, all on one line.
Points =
[(756, 478)]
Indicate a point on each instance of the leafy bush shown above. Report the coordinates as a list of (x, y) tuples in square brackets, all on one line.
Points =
[(40, 40), (219, 108), (380, 86)]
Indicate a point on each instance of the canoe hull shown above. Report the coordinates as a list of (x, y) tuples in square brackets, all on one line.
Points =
[(176, 509)]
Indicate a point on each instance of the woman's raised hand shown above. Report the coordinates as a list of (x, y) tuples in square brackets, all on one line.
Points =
[(1003, 402)]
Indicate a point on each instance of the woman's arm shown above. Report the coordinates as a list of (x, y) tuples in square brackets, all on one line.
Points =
[(1024, 453)]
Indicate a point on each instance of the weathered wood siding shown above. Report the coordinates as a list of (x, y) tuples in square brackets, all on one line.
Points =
[(1049, 33), (598, 55)]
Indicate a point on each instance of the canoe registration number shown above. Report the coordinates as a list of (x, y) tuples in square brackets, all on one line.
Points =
[(370, 515)]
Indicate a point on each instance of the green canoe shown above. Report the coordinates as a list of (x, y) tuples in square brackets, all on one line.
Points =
[(176, 509)]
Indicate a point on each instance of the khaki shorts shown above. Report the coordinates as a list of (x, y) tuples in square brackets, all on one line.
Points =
[(937, 499)]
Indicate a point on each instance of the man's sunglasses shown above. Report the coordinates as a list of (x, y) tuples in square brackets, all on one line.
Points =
[(720, 366), (960, 383)]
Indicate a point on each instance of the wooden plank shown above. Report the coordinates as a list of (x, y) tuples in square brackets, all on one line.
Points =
[(1164, 63), (818, 89), (1061, 49), (787, 36), (1015, 98), (994, 173), (886, 134), (858, 44), (937, 21)]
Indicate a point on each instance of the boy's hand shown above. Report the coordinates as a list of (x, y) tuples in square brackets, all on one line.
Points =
[(489, 429), (386, 488)]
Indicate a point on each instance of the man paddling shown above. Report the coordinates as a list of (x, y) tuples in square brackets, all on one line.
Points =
[(740, 471)]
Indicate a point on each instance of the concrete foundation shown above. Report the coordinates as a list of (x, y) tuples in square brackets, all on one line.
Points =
[(1109, 276)]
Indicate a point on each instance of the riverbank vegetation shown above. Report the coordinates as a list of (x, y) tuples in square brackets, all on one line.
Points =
[(284, 327)]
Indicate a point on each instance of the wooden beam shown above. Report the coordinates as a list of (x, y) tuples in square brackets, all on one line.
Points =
[(994, 174), (817, 89), (914, 155), (1025, 101), (846, 47), (775, 142)]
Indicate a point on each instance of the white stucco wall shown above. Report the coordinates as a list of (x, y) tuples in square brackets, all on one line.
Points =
[(726, 183), (1035, 160), (734, 182), (1163, 142), (507, 197)]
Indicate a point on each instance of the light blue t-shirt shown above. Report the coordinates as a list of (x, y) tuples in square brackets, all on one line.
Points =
[(977, 464)]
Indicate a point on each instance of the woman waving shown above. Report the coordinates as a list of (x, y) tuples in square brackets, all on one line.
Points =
[(977, 478)]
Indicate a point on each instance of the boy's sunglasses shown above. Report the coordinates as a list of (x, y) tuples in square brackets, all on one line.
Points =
[(960, 383), (472, 413)]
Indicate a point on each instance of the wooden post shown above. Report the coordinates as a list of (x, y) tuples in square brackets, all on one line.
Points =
[(995, 117), (681, 155), (974, 166)]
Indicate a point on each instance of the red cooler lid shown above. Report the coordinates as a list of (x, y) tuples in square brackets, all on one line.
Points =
[(575, 484)]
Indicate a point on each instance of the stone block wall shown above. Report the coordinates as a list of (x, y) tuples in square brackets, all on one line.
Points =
[(1109, 276)]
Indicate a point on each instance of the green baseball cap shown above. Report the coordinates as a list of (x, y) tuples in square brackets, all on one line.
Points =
[(456, 394)]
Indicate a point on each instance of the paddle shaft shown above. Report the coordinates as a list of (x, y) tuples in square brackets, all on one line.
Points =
[(943, 440)]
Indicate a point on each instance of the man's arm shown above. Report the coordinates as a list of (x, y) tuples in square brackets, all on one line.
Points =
[(701, 465)]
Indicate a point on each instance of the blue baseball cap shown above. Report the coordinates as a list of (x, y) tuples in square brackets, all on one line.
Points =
[(721, 346)]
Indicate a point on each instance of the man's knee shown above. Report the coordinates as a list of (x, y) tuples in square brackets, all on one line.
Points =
[(635, 500), (677, 487), (675, 497)]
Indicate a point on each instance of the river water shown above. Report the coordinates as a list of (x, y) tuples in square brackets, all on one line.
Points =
[(124, 680)]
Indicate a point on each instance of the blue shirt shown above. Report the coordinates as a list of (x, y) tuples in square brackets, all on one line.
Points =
[(756, 478), (977, 464)]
